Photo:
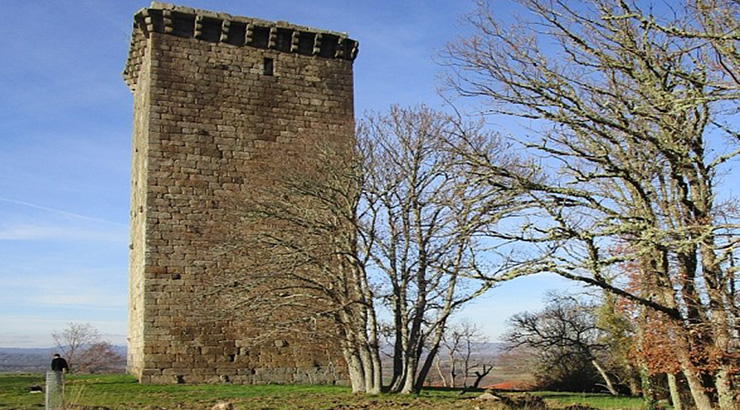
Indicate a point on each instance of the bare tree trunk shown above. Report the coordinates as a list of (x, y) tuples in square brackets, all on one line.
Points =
[(356, 373), (377, 371), (675, 394), (400, 364), (402, 368), (371, 368), (605, 376), (466, 361), (368, 367), (373, 344), (441, 375), (422, 375), (716, 290), (398, 376), (701, 399), (412, 365), (633, 381), (480, 375), (453, 374), (681, 350), (648, 389), (437, 339), (366, 324), (646, 384), (399, 345), (694, 379), (725, 392)]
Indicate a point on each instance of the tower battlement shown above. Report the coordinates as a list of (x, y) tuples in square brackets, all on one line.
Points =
[(237, 31)]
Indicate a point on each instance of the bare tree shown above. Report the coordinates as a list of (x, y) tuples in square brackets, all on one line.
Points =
[(101, 357), (346, 233), (631, 111), (420, 229), (475, 361), (303, 271), (449, 354), (464, 345), (565, 332), (85, 351)]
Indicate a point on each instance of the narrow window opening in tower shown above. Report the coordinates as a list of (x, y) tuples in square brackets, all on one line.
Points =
[(268, 66)]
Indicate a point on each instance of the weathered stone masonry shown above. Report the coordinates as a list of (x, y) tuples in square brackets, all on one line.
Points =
[(214, 95)]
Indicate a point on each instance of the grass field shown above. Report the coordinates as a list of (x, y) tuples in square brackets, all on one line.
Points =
[(600, 401), (119, 392)]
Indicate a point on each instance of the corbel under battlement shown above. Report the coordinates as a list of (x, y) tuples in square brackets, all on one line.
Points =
[(237, 31)]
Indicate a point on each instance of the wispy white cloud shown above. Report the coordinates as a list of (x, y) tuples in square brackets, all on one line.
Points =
[(60, 212), (41, 232), (25, 221)]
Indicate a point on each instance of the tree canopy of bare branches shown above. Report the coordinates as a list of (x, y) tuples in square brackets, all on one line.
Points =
[(632, 114), (85, 350), (349, 232), (568, 342), (464, 345), (421, 224)]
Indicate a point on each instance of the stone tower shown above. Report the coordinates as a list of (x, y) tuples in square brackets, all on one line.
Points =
[(213, 95)]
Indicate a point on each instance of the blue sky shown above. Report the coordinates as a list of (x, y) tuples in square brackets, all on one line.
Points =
[(66, 133)]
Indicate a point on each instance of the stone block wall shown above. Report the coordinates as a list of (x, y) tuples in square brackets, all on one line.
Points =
[(215, 96)]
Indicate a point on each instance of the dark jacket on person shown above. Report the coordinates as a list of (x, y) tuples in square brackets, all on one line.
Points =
[(58, 364)]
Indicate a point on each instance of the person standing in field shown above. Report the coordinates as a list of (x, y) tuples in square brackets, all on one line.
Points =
[(58, 364)]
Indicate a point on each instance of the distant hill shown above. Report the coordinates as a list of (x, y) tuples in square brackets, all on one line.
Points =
[(24, 360), (35, 360)]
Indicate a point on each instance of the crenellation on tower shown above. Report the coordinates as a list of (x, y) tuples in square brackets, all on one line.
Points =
[(217, 96), (237, 31)]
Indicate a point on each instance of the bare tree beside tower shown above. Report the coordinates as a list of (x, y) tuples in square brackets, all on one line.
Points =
[(391, 226)]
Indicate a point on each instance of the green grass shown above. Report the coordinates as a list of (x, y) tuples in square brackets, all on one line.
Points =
[(119, 392), (14, 392), (601, 401)]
